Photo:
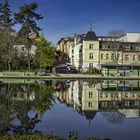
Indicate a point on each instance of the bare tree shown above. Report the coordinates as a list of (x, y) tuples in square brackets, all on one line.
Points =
[(113, 117), (116, 33)]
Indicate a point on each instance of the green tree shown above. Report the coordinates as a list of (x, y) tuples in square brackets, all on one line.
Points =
[(43, 98), (7, 34), (27, 18), (6, 22), (45, 53)]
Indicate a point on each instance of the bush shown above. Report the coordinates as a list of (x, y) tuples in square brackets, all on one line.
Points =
[(29, 137)]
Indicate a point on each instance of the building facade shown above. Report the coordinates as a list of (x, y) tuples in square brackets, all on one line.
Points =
[(105, 53)]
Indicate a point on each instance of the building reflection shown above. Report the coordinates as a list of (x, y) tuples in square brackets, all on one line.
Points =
[(116, 99)]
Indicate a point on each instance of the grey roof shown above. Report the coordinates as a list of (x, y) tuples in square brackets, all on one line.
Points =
[(89, 114), (90, 36), (107, 37)]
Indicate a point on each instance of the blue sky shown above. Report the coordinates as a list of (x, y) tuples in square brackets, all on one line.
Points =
[(66, 17)]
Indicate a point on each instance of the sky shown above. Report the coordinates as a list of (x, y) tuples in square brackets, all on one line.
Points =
[(66, 17)]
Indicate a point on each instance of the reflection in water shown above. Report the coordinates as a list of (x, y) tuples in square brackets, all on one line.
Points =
[(115, 99), (23, 105), (17, 100)]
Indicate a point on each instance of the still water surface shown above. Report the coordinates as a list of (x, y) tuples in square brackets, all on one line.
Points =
[(102, 109)]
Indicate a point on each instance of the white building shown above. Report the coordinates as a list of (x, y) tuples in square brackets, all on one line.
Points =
[(22, 50), (130, 37)]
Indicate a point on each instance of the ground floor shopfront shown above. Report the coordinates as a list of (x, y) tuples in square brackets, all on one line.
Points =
[(120, 70)]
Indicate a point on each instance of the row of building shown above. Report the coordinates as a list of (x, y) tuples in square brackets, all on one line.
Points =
[(106, 53)]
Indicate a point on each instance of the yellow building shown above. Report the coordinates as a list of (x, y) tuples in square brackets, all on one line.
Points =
[(90, 51), (89, 98)]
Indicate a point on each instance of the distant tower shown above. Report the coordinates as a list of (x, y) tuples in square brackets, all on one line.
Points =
[(90, 27), (5, 1), (90, 123)]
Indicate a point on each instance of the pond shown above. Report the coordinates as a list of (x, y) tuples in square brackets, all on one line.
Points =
[(102, 109)]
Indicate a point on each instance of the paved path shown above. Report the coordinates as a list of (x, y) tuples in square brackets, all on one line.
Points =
[(71, 76)]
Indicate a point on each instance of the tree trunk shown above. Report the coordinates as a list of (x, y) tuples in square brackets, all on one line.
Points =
[(8, 63), (40, 67), (29, 65)]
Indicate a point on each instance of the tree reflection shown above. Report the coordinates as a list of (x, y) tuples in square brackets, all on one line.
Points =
[(43, 98), (6, 112), (17, 100), (113, 117)]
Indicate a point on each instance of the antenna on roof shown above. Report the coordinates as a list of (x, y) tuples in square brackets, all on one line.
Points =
[(90, 27)]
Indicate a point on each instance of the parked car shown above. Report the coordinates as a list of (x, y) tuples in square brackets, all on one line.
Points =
[(72, 69), (62, 70), (66, 69)]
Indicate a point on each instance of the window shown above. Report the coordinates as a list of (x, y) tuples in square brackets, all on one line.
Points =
[(126, 103), (112, 56), (102, 56), (90, 55), (15, 95), (137, 48), (107, 57), (101, 95), (21, 95), (118, 55), (103, 46), (90, 104), (72, 50), (90, 65), (90, 46), (126, 57), (134, 57), (126, 94), (133, 95), (22, 48), (138, 57), (127, 48), (90, 94), (108, 46)]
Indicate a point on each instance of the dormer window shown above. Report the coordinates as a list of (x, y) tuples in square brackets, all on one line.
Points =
[(91, 46)]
